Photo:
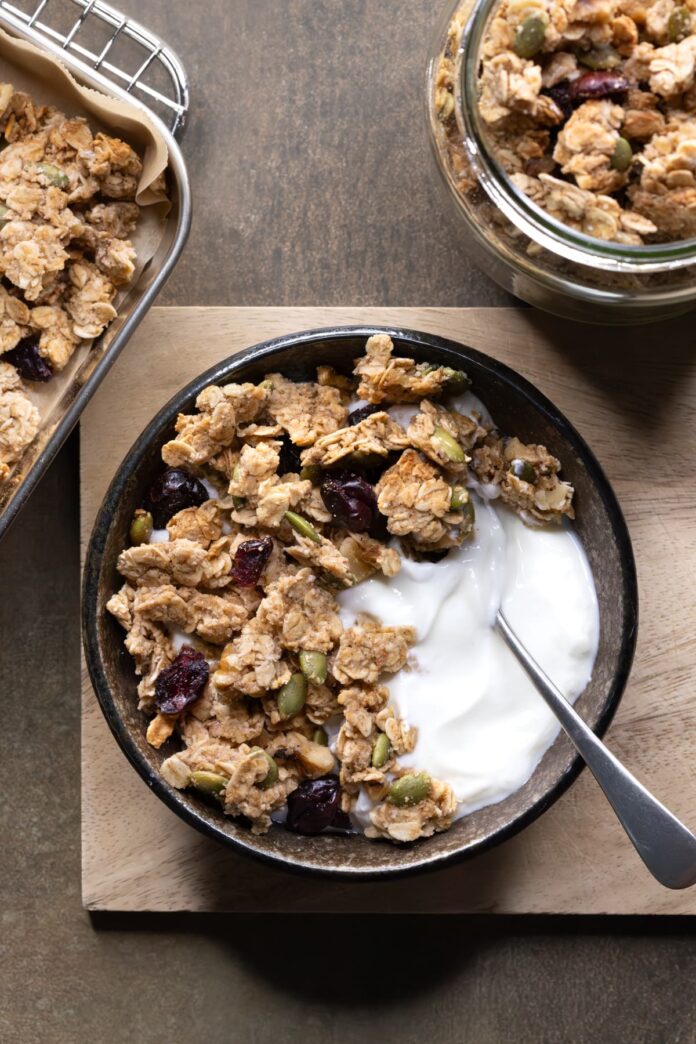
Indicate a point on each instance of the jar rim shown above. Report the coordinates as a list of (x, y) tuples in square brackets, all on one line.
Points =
[(526, 215)]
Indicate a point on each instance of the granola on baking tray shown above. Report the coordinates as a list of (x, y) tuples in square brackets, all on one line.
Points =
[(275, 498), (67, 214), (590, 108)]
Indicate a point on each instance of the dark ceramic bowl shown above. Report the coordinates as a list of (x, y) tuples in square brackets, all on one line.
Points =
[(518, 408)]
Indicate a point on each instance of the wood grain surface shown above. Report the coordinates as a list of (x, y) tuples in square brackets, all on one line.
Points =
[(633, 402)]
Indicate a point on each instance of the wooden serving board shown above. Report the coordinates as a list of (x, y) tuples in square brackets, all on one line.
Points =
[(632, 394)]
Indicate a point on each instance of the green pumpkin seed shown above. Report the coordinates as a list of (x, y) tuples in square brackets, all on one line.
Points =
[(272, 776), (208, 782), (679, 24), (600, 58), (529, 37), (141, 528), (457, 380), (523, 470), (381, 750), (449, 446), (364, 460), (623, 155), (311, 473), (302, 526), (319, 736), (3, 211), (291, 698), (238, 502), (469, 512), (460, 498), (53, 175), (313, 666), (410, 789)]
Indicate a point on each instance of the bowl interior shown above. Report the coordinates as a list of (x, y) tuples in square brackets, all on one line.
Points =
[(519, 409)]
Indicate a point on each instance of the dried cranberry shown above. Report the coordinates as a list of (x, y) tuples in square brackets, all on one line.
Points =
[(182, 682), (173, 491), (289, 457), (350, 499), (316, 805), (363, 412), (561, 93), (599, 83), (249, 560), (29, 363)]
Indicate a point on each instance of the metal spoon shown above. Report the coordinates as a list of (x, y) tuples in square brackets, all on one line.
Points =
[(664, 844)]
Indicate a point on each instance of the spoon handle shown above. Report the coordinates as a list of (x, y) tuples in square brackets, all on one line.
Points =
[(664, 844)]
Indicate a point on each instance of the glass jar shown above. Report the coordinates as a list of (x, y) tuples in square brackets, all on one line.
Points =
[(520, 246)]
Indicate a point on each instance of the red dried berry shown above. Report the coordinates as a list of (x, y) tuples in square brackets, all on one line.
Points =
[(562, 95), (27, 360), (600, 83), (350, 499), (249, 560), (316, 805), (173, 491), (362, 413), (182, 682)]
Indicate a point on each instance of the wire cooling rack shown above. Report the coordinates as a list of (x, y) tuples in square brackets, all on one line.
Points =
[(117, 47)]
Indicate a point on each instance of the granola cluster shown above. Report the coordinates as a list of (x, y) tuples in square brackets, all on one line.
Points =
[(275, 497), (66, 218), (590, 107)]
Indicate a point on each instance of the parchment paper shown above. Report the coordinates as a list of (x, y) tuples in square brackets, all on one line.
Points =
[(48, 82)]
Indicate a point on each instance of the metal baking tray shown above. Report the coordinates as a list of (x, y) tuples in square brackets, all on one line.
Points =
[(115, 55)]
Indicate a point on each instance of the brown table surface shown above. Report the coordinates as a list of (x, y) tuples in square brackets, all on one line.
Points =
[(312, 186)]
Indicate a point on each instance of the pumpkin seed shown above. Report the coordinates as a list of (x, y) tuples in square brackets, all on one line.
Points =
[(522, 470), (460, 498), (381, 750), (600, 58), (302, 526), (410, 789), (292, 696), (313, 666), (679, 24), (53, 175), (311, 473), (208, 782), (623, 155), (529, 37), (141, 528), (449, 446), (457, 380)]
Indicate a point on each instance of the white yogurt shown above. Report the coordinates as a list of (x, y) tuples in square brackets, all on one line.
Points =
[(159, 536), (482, 726)]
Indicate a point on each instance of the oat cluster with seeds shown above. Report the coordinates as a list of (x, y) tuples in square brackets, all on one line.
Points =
[(590, 107), (67, 213), (271, 705)]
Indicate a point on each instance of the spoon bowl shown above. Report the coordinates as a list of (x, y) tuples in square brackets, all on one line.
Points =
[(517, 406)]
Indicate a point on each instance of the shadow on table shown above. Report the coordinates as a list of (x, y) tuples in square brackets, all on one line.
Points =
[(336, 958), (637, 371)]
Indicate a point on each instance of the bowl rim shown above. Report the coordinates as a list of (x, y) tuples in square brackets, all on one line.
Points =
[(226, 369)]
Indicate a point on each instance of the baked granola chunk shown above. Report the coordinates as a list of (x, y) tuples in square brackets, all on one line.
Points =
[(68, 215), (262, 694)]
